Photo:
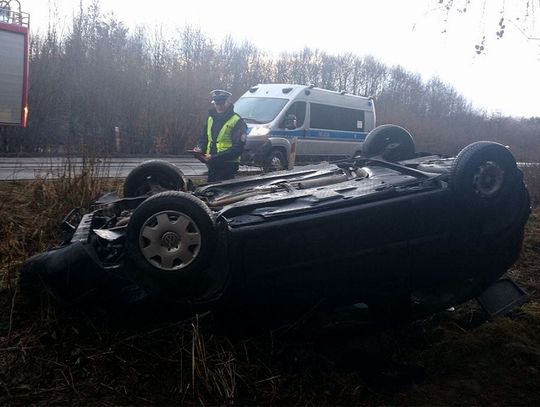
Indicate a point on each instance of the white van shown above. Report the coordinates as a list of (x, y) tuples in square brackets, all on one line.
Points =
[(325, 124)]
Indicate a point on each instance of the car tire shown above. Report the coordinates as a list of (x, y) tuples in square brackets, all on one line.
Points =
[(275, 161), (153, 176), (170, 242), (484, 175), (392, 142)]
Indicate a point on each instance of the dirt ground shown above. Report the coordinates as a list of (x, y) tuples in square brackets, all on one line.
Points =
[(50, 354)]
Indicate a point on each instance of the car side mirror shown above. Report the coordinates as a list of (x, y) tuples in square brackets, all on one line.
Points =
[(289, 122)]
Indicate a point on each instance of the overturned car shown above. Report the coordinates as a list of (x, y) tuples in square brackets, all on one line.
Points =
[(389, 228)]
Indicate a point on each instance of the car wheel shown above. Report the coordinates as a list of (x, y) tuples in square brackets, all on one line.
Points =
[(483, 176), (152, 177), (275, 161), (392, 142), (170, 241)]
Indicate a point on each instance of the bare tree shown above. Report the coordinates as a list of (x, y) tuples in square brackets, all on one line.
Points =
[(495, 17), (100, 75)]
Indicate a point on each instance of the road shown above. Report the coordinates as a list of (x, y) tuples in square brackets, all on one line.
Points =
[(26, 168)]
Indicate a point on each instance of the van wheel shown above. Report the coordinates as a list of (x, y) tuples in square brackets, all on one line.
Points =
[(392, 142), (153, 176), (275, 161)]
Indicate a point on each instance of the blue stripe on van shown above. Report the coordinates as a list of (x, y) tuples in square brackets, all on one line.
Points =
[(321, 134)]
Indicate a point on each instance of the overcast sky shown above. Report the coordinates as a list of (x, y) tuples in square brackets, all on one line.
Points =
[(504, 79)]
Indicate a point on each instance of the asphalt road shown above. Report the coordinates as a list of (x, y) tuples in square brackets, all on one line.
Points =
[(27, 168)]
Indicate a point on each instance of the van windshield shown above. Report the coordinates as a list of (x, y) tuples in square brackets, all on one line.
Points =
[(259, 110)]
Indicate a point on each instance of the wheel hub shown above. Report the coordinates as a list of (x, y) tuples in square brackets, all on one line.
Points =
[(276, 163), (488, 180), (170, 240)]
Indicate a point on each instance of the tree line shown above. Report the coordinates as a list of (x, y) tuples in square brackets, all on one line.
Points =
[(153, 87)]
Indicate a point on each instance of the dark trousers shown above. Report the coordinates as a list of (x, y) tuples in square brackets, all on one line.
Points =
[(220, 171)]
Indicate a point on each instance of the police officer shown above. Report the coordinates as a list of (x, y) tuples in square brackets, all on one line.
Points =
[(223, 138)]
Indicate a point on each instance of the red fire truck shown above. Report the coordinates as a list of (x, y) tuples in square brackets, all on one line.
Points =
[(14, 26)]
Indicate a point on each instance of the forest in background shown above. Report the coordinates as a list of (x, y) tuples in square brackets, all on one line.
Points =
[(154, 87)]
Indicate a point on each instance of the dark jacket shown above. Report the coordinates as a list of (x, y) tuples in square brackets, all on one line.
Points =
[(238, 136)]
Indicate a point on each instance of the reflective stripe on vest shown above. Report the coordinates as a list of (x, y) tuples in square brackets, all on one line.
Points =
[(224, 138)]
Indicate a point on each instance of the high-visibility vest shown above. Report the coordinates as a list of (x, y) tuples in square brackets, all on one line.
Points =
[(224, 138)]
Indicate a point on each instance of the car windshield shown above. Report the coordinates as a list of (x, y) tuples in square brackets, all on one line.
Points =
[(259, 110)]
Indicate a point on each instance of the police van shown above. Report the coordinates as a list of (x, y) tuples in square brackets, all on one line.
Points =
[(322, 124)]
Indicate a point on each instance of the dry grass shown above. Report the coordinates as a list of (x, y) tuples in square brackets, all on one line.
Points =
[(30, 212), (53, 355), (532, 179)]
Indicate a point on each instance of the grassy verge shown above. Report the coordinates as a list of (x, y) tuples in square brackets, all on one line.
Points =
[(53, 355), (30, 211)]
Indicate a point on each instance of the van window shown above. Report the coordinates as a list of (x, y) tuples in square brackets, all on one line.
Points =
[(259, 110), (336, 118), (297, 109)]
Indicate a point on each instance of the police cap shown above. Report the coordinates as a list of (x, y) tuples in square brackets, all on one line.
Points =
[(220, 96)]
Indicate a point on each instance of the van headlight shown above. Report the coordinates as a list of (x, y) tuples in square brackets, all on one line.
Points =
[(259, 131)]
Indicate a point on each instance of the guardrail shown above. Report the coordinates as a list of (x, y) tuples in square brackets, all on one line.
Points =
[(15, 17)]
